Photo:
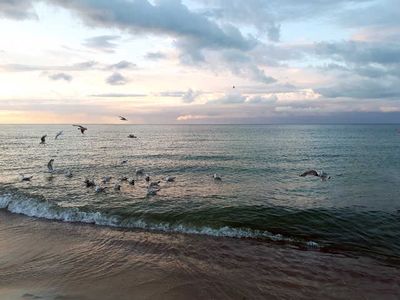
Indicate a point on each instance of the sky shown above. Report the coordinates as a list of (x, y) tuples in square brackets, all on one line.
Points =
[(199, 61)]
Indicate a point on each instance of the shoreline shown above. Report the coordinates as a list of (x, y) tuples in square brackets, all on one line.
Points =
[(83, 261)]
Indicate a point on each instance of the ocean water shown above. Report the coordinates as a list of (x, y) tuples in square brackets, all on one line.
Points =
[(261, 196)]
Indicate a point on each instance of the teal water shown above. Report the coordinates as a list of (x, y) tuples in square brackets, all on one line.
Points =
[(261, 195)]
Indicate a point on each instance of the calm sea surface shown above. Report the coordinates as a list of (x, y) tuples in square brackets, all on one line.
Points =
[(261, 195)]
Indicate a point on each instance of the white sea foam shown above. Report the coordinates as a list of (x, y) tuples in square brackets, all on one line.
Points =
[(43, 209)]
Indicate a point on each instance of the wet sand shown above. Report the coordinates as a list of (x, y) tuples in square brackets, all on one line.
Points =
[(42, 259)]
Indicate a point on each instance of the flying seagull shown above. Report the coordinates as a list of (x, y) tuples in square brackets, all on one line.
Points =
[(321, 175), (43, 139), (81, 128), (50, 165), (58, 134), (123, 118)]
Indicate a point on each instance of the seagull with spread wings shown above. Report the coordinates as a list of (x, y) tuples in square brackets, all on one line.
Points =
[(81, 128)]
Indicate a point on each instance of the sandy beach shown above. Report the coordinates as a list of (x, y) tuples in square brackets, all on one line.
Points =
[(42, 259)]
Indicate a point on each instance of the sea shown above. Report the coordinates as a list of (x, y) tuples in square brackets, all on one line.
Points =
[(262, 231)]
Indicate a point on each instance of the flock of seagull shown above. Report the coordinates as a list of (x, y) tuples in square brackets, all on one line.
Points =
[(152, 186)]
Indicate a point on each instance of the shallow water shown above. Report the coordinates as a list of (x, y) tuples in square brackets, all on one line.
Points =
[(57, 261), (261, 196)]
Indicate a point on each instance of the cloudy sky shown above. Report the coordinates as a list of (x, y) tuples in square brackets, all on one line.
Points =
[(177, 61)]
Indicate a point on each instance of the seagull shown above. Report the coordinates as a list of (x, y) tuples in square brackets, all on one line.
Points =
[(50, 165), (106, 179), (124, 162), (100, 189), (169, 179), (58, 134), (123, 118), (216, 177), (131, 181), (233, 86), (132, 136), (139, 172), (117, 187), (68, 174), (89, 183), (25, 178), (81, 128), (123, 178), (309, 172), (43, 139), (152, 191), (154, 184), (324, 176), (147, 178)]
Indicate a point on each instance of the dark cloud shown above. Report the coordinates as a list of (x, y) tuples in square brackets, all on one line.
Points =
[(168, 17), (155, 55), (60, 76), (362, 89), (17, 9), (102, 43), (116, 79), (359, 52)]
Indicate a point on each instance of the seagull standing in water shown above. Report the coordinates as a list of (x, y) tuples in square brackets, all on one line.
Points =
[(217, 178), (81, 128), (25, 178), (43, 139), (50, 165), (58, 134)]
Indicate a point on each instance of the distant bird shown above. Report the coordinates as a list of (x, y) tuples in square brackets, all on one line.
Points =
[(147, 178), (132, 136), (123, 118), (43, 139), (100, 189), (117, 187), (309, 172), (324, 176), (123, 178), (154, 184), (106, 179), (58, 134), (81, 128), (152, 191), (131, 181), (139, 172), (216, 177), (233, 86), (89, 183), (169, 179), (50, 165), (124, 162), (25, 178)]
